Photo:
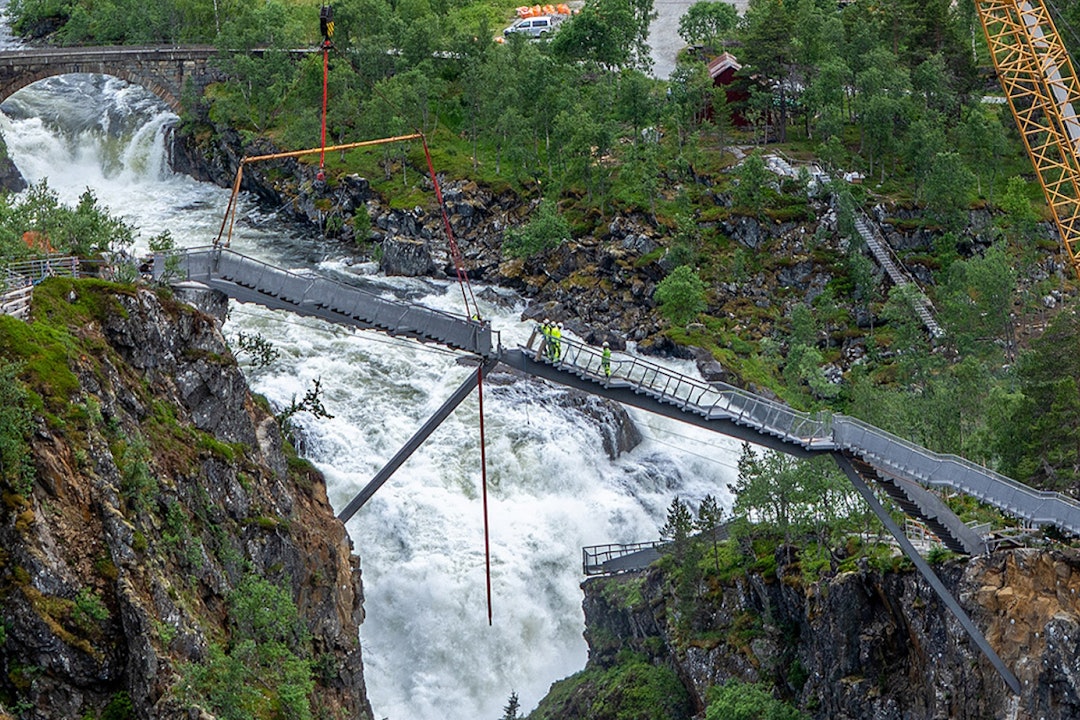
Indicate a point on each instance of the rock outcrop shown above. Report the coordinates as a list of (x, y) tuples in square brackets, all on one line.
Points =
[(600, 284), (861, 644), (162, 498)]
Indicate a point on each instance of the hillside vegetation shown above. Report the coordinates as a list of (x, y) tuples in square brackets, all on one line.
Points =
[(576, 128), (890, 90)]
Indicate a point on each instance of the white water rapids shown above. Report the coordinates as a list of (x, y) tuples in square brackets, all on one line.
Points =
[(428, 650)]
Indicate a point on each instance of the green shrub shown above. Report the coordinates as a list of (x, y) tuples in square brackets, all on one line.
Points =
[(89, 611), (265, 670), (16, 468), (265, 612), (361, 224), (623, 592), (119, 708), (747, 701), (139, 543), (545, 231), (632, 689), (106, 568), (137, 484), (939, 554), (681, 295), (177, 536)]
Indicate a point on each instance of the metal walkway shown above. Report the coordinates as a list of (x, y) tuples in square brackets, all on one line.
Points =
[(901, 467), (863, 452), (900, 277), (248, 280), (617, 558)]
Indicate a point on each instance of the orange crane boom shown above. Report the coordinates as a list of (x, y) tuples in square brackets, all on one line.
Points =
[(1039, 81)]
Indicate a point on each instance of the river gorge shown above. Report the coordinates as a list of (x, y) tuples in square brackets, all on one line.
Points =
[(428, 650)]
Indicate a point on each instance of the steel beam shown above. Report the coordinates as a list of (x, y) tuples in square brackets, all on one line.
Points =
[(927, 572), (415, 441)]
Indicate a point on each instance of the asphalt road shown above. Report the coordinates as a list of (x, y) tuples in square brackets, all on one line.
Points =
[(664, 33)]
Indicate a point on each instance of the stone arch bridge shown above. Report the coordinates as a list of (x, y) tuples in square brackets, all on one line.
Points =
[(164, 70)]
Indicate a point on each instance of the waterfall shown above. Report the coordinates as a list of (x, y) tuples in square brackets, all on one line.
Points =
[(428, 650)]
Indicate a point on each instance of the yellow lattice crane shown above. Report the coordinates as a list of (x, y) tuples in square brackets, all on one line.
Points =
[(1043, 93)]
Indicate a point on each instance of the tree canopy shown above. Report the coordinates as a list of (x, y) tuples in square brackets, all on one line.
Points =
[(889, 93)]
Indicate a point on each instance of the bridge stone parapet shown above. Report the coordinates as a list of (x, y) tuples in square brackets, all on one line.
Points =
[(164, 70)]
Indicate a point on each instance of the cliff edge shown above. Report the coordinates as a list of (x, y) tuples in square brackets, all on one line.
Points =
[(163, 552), (869, 643)]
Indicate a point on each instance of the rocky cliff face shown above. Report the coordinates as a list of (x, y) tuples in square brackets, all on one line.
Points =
[(601, 284), (170, 556), (864, 644)]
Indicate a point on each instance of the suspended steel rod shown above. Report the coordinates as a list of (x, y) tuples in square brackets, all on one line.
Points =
[(927, 572), (483, 483)]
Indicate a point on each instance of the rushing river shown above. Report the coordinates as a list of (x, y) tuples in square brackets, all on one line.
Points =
[(428, 650)]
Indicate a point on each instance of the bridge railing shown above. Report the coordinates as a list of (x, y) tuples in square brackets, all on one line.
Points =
[(17, 281), (325, 296), (38, 269), (888, 452), (1041, 507), (593, 557), (15, 295), (711, 400)]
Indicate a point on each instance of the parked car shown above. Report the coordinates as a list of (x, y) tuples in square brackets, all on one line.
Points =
[(532, 26)]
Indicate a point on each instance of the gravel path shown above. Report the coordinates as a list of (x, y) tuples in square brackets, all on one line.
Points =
[(664, 33)]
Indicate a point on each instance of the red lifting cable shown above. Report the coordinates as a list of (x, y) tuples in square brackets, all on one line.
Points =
[(326, 24), (459, 266), (463, 281)]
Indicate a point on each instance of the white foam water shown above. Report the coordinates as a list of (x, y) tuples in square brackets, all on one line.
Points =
[(429, 652)]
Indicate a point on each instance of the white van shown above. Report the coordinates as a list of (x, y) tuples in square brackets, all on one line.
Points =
[(533, 27)]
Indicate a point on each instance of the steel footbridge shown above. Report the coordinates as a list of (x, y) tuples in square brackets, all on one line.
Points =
[(248, 280), (904, 471)]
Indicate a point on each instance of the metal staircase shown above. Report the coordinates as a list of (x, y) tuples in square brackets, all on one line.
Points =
[(875, 242), (885, 458), (900, 277), (894, 456), (919, 503)]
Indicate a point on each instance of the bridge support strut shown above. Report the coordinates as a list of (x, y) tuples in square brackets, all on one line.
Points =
[(415, 442), (927, 572)]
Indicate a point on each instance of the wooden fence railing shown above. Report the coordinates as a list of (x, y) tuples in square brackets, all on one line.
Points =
[(17, 281)]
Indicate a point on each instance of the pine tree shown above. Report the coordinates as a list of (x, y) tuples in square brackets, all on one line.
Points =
[(510, 712), (710, 516), (677, 529)]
